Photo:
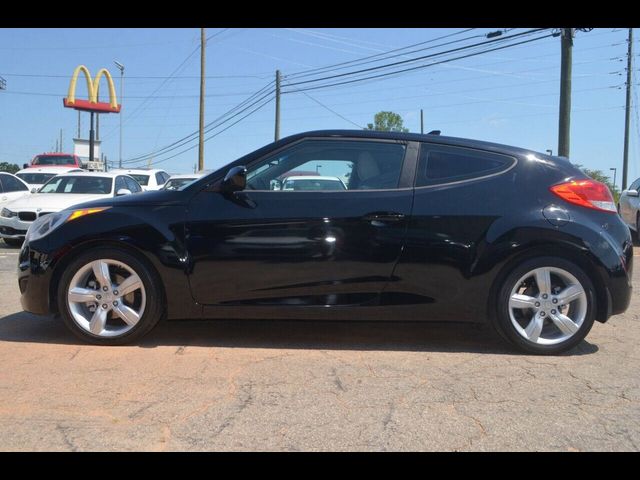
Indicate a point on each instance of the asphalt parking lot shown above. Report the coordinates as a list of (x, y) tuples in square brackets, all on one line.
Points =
[(252, 385)]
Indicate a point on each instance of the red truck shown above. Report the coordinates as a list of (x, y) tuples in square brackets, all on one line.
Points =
[(54, 160)]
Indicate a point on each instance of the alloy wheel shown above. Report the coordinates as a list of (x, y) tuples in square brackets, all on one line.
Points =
[(106, 298), (547, 306)]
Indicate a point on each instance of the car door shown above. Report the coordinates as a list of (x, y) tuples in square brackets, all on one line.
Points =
[(12, 188), (308, 247), (629, 203)]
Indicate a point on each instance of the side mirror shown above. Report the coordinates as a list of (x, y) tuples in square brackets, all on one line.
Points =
[(25, 165), (34, 190), (123, 191), (235, 180), (632, 193)]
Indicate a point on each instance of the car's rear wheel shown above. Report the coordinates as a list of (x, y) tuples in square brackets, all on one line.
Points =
[(13, 242), (546, 305), (108, 296)]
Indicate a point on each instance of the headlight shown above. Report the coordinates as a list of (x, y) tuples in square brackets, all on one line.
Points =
[(6, 213), (43, 226)]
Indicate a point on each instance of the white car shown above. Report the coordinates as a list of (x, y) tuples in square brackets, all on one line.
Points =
[(177, 181), (312, 182), (35, 177), (11, 188), (629, 206), (62, 191), (149, 179)]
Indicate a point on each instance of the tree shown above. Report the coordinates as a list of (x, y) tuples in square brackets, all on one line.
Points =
[(9, 167), (387, 122), (600, 176)]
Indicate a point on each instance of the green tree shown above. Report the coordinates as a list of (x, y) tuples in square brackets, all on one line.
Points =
[(600, 176), (387, 122), (9, 167)]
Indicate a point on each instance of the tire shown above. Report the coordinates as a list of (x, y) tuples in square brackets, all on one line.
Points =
[(146, 300), (520, 324), (13, 242)]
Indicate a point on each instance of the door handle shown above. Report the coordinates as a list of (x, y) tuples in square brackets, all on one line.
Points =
[(384, 217)]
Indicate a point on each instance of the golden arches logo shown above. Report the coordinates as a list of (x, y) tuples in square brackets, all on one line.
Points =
[(93, 87)]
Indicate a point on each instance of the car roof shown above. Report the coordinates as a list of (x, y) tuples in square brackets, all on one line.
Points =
[(311, 177), (56, 154), (148, 171), (187, 175), (50, 169), (85, 173)]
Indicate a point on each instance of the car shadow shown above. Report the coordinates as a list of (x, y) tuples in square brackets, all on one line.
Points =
[(289, 334)]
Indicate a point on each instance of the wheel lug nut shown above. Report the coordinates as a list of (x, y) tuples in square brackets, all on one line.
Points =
[(555, 300), (115, 292), (542, 314), (545, 296), (537, 304), (104, 289), (115, 304), (105, 306), (553, 312), (98, 297)]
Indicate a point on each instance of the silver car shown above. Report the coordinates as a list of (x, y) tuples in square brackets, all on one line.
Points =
[(629, 206)]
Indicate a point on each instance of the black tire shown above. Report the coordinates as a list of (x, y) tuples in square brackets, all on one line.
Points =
[(153, 311), (503, 322), (13, 242)]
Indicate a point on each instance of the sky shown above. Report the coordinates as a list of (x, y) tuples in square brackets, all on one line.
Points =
[(506, 96)]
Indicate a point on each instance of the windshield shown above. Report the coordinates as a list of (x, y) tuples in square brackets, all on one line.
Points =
[(176, 183), (312, 184), (54, 160), (73, 184), (36, 178), (141, 179)]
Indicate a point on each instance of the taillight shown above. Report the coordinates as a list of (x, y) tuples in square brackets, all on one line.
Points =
[(586, 193)]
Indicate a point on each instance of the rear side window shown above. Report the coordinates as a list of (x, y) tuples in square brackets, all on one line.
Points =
[(443, 164), (132, 185), (160, 178)]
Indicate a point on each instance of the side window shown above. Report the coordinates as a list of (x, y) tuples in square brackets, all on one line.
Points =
[(160, 178), (10, 184), (166, 176), (120, 183), (443, 164), (322, 165), (635, 185), (132, 185)]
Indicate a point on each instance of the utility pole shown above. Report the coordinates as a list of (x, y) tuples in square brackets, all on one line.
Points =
[(277, 132), (57, 148), (564, 122), (121, 68), (91, 138), (203, 44), (61, 141), (627, 113), (421, 121)]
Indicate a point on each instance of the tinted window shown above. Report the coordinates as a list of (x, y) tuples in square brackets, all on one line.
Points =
[(36, 178), (635, 185), (90, 185), (10, 184), (132, 185), (441, 164), (54, 160), (177, 183), (159, 178), (120, 184), (1, 188), (356, 165), (320, 183)]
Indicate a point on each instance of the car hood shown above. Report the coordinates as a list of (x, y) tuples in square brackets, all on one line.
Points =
[(147, 198), (51, 202)]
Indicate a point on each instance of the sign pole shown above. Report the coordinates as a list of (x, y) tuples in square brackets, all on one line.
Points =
[(91, 139)]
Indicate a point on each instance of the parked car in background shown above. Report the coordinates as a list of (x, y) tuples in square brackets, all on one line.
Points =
[(312, 183), (149, 179), (629, 206), (55, 159), (61, 192), (11, 188), (35, 177), (178, 181), (429, 228)]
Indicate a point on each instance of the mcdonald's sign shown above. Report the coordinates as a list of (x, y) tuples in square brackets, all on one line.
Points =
[(93, 86)]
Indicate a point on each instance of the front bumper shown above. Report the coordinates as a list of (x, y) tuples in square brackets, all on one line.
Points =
[(34, 278), (13, 228)]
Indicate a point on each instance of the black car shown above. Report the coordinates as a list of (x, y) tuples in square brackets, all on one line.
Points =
[(429, 228)]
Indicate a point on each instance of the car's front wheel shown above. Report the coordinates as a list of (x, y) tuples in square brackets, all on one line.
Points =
[(108, 296), (546, 305)]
